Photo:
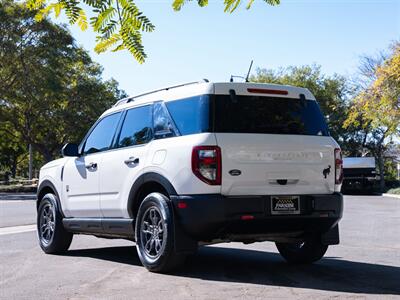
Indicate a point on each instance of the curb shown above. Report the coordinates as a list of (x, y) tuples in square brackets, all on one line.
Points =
[(17, 196), (391, 195)]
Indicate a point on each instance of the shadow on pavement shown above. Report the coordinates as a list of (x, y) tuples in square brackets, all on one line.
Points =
[(267, 268)]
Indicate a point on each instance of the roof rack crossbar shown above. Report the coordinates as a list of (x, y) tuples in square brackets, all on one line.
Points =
[(129, 99)]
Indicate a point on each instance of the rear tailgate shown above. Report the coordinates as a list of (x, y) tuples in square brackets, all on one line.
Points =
[(271, 164)]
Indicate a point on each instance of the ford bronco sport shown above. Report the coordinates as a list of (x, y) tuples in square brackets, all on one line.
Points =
[(197, 164)]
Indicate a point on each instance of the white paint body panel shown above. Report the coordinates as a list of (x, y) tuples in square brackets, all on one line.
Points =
[(52, 172), (81, 186), (117, 178), (241, 89), (265, 158), (177, 166)]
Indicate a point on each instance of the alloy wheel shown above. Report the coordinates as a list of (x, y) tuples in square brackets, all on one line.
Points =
[(47, 223), (153, 231)]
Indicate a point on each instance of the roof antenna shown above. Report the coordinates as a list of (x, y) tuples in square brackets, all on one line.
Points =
[(246, 79), (248, 73)]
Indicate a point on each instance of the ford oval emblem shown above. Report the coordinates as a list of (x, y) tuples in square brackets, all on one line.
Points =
[(235, 172)]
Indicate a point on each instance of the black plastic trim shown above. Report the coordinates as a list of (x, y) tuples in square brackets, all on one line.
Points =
[(331, 237), (109, 226), (145, 178), (210, 216), (47, 183)]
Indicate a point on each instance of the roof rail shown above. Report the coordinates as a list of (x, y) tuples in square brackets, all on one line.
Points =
[(130, 99)]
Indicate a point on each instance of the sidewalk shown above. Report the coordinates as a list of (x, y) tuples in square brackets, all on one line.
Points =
[(391, 195)]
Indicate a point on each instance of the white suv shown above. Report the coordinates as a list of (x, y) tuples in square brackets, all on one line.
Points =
[(196, 164)]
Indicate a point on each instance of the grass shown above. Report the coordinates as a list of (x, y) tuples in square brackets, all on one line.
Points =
[(395, 191)]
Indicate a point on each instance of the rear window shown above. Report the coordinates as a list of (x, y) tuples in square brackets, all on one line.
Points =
[(257, 114)]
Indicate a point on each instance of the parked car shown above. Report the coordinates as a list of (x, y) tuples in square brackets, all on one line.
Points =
[(359, 174), (198, 164)]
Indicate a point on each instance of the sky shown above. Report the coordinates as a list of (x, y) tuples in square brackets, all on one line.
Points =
[(198, 43)]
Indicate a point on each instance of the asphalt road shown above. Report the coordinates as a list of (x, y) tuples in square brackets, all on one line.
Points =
[(365, 265), (14, 212)]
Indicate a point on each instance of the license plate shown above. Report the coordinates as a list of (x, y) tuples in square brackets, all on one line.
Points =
[(285, 205)]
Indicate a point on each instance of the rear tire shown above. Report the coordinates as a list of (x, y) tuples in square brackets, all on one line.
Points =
[(53, 238), (302, 253), (154, 235)]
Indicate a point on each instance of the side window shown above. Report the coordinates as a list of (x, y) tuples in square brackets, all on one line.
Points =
[(137, 127), (100, 138), (191, 115), (162, 123)]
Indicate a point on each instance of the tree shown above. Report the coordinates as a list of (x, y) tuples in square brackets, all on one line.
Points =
[(376, 107), (119, 24), (52, 91), (12, 152), (332, 92)]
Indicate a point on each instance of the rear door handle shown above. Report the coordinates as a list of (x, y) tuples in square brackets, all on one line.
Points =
[(91, 166), (131, 161)]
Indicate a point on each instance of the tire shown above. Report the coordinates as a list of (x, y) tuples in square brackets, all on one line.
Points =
[(53, 238), (302, 253), (154, 235)]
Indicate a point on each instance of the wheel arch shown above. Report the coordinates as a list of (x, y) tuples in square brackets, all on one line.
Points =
[(45, 187), (145, 184)]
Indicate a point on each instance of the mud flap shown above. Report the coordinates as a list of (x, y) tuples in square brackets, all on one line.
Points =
[(184, 244), (331, 237)]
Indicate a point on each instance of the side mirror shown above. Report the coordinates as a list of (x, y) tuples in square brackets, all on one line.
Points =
[(70, 150)]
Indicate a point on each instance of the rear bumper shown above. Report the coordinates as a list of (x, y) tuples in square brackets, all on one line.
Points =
[(214, 216)]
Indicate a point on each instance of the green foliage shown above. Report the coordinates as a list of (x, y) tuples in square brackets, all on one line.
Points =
[(376, 108), (230, 5), (12, 152), (395, 191), (390, 169), (119, 24), (379, 105), (50, 94)]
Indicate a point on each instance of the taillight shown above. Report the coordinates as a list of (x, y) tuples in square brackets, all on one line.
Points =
[(206, 164), (338, 166)]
